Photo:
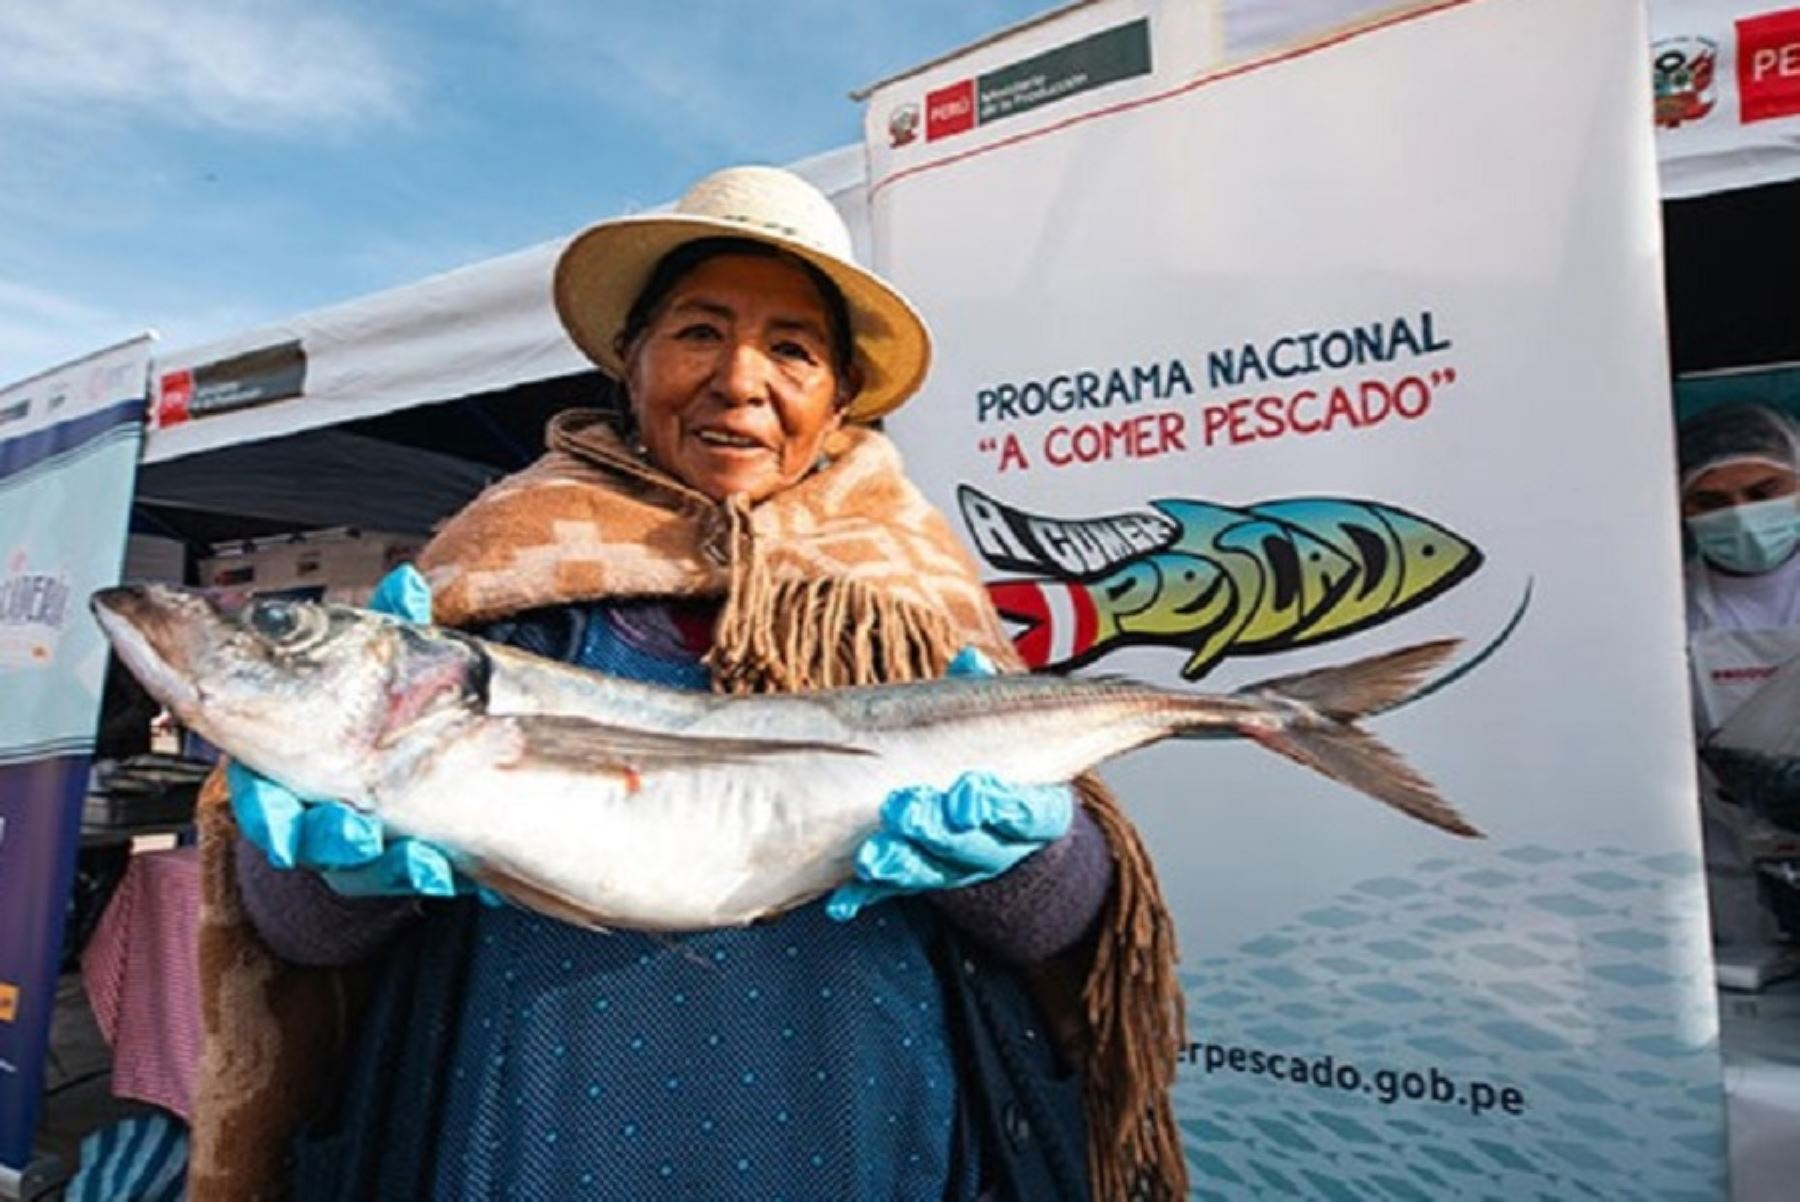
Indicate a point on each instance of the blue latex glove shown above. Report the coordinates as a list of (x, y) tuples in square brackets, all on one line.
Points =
[(973, 831), (346, 846)]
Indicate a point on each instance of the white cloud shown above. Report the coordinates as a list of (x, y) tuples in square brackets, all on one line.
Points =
[(726, 78), (41, 330), (20, 302), (673, 76), (247, 64)]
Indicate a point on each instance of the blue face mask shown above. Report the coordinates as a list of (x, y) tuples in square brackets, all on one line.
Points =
[(1748, 538)]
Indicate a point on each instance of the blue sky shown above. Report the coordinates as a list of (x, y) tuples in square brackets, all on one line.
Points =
[(199, 166)]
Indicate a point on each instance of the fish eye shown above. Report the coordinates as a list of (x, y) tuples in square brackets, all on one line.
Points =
[(284, 622)]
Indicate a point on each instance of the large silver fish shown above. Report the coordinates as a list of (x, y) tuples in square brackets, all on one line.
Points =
[(612, 803)]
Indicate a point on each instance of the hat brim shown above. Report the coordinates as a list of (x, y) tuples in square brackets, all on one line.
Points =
[(602, 270)]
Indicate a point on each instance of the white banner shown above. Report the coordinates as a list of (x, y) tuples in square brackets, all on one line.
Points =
[(69, 441), (1727, 79), (1250, 371)]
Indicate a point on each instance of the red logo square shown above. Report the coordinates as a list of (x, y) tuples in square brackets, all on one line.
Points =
[(1768, 66), (950, 110), (173, 395)]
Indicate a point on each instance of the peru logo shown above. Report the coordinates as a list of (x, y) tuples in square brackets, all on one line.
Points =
[(1684, 69), (903, 125)]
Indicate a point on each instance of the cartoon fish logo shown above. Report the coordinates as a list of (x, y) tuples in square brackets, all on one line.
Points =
[(1217, 580)]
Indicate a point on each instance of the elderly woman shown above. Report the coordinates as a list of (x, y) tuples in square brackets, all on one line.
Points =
[(741, 530)]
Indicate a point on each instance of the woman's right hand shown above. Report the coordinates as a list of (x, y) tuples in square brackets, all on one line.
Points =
[(345, 846)]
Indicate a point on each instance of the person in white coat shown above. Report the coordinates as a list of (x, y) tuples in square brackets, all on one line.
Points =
[(1740, 505)]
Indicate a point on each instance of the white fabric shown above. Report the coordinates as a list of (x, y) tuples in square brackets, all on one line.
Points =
[(1731, 666), (1720, 601), (1759, 1038), (1744, 628), (1723, 148), (1765, 721), (1728, 667), (484, 327)]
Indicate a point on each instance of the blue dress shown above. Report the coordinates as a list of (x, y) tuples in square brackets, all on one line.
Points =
[(508, 1055)]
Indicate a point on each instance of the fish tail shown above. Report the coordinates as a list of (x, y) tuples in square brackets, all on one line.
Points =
[(1352, 756), (1320, 709), (1362, 687)]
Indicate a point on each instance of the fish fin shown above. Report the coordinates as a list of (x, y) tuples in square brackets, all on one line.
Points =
[(1215, 642), (1364, 686), (1352, 756), (631, 753), (545, 901), (1210, 651)]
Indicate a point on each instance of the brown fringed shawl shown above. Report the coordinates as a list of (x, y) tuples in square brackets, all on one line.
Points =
[(848, 577)]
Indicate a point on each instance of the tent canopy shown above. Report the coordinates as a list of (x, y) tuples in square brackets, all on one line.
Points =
[(480, 329), (318, 478)]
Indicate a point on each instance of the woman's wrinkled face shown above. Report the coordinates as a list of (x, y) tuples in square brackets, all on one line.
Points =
[(732, 380)]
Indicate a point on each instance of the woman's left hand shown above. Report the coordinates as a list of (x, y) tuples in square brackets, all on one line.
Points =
[(943, 839)]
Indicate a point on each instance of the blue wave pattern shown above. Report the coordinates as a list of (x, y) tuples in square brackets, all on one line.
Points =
[(1581, 980)]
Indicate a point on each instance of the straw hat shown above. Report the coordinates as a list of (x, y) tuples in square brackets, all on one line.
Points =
[(602, 270)]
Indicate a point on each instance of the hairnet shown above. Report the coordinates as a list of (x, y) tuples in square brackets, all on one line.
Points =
[(1729, 433)]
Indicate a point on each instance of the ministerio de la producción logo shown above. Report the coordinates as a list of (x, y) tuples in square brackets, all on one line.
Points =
[(34, 612)]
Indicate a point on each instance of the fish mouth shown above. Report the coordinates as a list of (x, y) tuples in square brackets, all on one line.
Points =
[(148, 627)]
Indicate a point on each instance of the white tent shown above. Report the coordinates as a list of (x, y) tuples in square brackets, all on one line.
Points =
[(260, 435), (478, 329)]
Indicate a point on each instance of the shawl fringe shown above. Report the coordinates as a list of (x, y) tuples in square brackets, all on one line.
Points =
[(1136, 1019), (787, 635)]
